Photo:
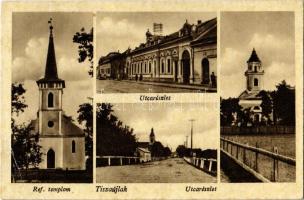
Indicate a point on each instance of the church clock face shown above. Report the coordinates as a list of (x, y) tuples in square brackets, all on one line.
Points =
[(50, 124)]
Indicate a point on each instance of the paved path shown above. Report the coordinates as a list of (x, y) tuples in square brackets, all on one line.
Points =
[(174, 170), (113, 86)]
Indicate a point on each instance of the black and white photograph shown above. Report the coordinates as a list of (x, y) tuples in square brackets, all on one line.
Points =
[(51, 105), (156, 143), (156, 52), (257, 111)]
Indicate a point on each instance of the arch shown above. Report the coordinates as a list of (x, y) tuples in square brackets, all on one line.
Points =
[(162, 66), (169, 65), (205, 71), (256, 82), (73, 146), (50, 100), (186, 66), (50, 158)]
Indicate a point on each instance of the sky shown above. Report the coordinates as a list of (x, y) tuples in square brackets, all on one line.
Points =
[(170, 122), (273, 37), (120, 30), (30, 42)]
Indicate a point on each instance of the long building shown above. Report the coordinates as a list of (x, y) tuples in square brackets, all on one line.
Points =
[(187, 56)]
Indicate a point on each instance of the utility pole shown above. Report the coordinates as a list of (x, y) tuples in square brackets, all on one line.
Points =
[(186, 144), (191, 120)]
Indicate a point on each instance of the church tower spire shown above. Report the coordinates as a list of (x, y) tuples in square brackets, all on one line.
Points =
[(254, 73), (152, 136), (51, 66)]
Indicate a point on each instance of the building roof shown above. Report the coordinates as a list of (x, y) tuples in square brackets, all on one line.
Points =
[(254, 57), (143, 150), (68, 128), (250, 95), (143, 144), (51, 74)]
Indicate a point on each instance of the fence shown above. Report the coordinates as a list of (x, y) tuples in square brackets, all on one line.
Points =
[(235, 130), (116, 160), (264, 165), (207, 165)]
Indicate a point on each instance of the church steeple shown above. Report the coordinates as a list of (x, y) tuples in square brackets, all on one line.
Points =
[(51, 66), (254, 73), (152, 136), (51, 76)]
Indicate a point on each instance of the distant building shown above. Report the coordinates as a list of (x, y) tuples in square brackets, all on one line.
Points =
[(144, 154), (250, 98), (187, 56), (62, 142)]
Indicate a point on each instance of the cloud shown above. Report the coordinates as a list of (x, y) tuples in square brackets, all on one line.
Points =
[(31, 65), (118, 35)]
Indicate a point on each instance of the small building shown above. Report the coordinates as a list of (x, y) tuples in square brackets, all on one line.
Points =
[(144, 154)]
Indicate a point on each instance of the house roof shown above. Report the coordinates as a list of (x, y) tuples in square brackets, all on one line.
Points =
[(250, 95), (143, 149), (143, 144), (68, 128)]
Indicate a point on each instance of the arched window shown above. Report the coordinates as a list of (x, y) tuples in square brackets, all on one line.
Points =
[(256, 82), (163, 67), (50, 100), (169, 65), (150, 67), (73, 147)]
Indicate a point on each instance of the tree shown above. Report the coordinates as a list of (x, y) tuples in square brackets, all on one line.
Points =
[(85, 115), (266, 104), (112, 137), (181, 150), (229, 107), (85, 48), (24, 142), (284, 104)]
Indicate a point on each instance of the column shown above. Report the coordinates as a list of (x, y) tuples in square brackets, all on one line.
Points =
[(120, 160), (191, 79), (179, 77), (210, 165), (109, 161)]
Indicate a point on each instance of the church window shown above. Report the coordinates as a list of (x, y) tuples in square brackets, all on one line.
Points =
[(169, 66), (255, 68), (256, 82), (50, 124), (73, 147), (50, 100), (145, 67)]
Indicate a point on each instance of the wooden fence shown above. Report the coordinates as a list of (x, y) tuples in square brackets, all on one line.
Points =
[(235, 130), (116, 160), (265, 165), (207, 165)]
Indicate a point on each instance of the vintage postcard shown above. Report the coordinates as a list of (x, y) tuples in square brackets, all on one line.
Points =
[(152, 99)]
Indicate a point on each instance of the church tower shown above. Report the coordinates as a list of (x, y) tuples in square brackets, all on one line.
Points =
[(152, 137), (62, 142), (254, 73)]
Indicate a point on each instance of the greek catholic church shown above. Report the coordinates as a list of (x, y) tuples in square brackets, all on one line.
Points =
[(62, 142)]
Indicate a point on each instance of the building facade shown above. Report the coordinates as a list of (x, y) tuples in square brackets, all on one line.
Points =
[(62, 142), (187, 56)]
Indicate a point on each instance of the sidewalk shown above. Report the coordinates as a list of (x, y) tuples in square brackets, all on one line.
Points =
[(175, 85)]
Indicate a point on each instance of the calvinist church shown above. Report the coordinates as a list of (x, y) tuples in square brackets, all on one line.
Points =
[(62, 142)]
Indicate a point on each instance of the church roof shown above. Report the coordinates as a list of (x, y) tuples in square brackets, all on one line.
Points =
[(51, 74), (68, 128), (254, 57), (143, 144), (252, 95)]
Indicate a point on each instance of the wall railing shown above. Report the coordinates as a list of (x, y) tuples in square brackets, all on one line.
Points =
[(265, 165)]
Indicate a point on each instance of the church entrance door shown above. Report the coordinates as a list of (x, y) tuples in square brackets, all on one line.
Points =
[(205, 71), (186, 66), (51, 159)]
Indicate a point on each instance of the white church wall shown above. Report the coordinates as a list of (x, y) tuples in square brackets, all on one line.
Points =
[(74, 161), (55, 143)]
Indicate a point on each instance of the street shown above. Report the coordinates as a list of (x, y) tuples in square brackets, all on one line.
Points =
[(113, 86), (174, 170)]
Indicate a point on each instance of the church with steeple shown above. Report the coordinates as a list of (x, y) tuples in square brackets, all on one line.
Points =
[(250, 99), (62, 142)]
